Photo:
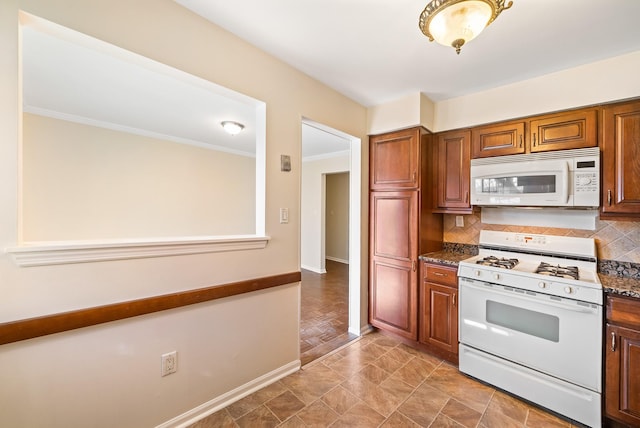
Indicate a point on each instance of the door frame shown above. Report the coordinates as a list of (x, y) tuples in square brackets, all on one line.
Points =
[(355, 227)]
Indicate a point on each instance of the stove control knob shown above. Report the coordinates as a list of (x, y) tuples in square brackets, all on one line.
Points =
[(542, 284), (568, 290), (477, 272), (496, 276)]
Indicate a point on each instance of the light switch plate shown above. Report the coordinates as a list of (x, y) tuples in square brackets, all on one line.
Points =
[(284, 215)]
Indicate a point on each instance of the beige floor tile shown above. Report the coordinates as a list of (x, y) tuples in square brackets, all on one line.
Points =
[(317, 415), (258, 418), (361, 416), (285, 405), (250, 402), (464, 415), (509, 406), (340, 400), (539, 419), (442, 421), (424, 404), (220, 419), (493, 418), (398, 420)]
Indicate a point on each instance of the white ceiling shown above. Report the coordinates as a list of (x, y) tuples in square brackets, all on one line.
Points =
[(373, 51)]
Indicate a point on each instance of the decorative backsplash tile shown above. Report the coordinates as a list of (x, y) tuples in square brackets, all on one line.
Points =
[(615, 240)]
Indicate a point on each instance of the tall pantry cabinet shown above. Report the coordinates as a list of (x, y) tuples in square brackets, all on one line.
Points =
[(401, 226)]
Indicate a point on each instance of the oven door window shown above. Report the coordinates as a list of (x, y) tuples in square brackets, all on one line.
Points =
[(526, 321)]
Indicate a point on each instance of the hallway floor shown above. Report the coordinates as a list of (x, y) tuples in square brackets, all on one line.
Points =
[(324, 311), (377, 381)]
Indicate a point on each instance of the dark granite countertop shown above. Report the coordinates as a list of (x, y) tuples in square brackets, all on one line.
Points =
[(444, 257), (620, 285)]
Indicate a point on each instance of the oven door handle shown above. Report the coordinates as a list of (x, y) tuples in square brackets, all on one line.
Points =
[(495, 290)]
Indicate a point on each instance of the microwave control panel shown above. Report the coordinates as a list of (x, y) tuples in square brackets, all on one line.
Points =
[(586, 182)]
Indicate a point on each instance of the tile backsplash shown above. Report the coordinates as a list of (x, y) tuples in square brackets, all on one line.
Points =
[(615, 240)]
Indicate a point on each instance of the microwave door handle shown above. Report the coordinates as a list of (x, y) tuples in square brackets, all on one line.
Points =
[(565, 179)]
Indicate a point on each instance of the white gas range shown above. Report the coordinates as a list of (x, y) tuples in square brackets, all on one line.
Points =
[(531, 320)]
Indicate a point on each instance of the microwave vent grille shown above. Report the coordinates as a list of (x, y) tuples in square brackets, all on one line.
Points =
[(528, 157)]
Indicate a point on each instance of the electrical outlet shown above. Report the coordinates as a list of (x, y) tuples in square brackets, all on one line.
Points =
[(169, 363), (459, 221)]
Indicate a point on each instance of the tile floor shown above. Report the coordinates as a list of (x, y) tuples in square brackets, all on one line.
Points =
[(324, 308), (377, 381)]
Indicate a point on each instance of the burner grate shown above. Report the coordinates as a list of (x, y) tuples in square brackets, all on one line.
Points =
[(498, 262), (569, 272)]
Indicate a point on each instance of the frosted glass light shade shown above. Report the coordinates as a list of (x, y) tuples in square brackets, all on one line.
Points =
[(461, 21), (456, 22), (231, 127)]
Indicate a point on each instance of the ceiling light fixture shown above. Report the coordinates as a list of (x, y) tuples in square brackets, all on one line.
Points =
[(232, 127), (456, 22)]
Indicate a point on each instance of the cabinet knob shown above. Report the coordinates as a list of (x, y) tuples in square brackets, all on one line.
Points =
[(534, 139), (454, 299), (613, 341), (440, 274), (609, 197), (520, 140), (413, 265), (466, 197)]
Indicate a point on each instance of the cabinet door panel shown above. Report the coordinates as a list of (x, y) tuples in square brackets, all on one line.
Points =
[(572, 130), (498, 140), (453, 171), (621, 160), (395, 160), (393, 300), (439, 326), (622, 389), (394, 225)]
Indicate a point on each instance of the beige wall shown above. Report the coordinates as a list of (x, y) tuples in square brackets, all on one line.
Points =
[(337, 217), (84, 182), (109, 375), (599, 82)]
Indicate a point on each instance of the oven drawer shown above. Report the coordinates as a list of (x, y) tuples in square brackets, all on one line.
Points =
[(440, 274)]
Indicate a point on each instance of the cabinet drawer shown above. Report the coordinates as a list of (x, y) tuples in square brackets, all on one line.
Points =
[(440, 274), (623, 310)]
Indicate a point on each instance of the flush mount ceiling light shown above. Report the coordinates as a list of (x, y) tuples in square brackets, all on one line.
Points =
[(232, 127), (456, 22)]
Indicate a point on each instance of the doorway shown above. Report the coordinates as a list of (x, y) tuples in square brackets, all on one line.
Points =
[(327, 152)]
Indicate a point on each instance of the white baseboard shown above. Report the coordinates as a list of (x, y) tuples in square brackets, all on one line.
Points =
[(313, 269), (212, 406), (335, 259)]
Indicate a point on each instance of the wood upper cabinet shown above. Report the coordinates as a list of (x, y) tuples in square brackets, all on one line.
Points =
[(621, 160), (557, 131), (498, 140), (393, 262), (622, 359), (395, 160), (451, 152), (438, 328), (572, 130)]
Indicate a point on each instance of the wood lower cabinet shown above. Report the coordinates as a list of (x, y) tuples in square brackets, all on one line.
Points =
[(621, 161), (452, 153), (438, 322), (622, 359)]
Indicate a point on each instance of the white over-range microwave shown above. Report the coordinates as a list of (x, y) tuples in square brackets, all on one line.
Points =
[(564, 178)]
